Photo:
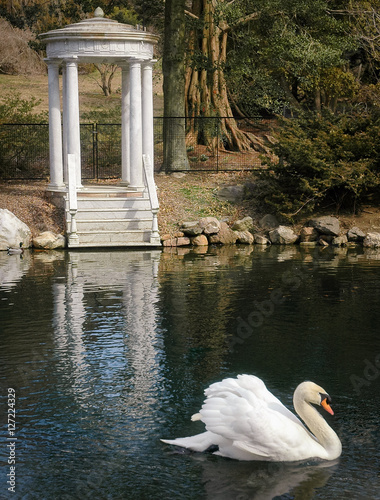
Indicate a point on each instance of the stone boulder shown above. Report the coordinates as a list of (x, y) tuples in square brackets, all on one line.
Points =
[(49, 241), (175, 241), (339, 241), (326, 225), (165, 237), (261, 240), (13, 231), (283, 235), (191, 228), (169, 242), (355, 234), (372, 240), (225, 236), (268, 222), (245, 224), (244, 237), (183, 241), (233, 194), (200, 240), (209, 225), (323, 243), (308, 234)]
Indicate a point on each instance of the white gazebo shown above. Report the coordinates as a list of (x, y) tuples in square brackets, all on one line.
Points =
[(101, 40)]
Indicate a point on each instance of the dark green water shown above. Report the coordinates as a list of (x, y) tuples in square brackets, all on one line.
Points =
[(108, 352)]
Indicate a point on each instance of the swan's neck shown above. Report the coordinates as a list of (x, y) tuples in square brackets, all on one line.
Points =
[(326, 437)]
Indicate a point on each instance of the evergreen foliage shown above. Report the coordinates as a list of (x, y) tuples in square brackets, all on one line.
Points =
[(294, 54), (324, 160)]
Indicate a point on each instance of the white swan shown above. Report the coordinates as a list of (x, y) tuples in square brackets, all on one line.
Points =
[(246, 422)]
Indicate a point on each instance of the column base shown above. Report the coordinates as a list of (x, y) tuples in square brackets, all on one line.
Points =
[(155, 240), (56, 187)]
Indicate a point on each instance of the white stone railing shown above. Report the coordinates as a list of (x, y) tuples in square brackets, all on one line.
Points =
[(153, 198), (72, 198)]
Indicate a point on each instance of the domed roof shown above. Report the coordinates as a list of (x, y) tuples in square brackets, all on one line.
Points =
[(97, 37)]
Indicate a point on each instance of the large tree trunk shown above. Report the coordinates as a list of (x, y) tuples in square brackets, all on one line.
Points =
[(174, 134), (206, 89)]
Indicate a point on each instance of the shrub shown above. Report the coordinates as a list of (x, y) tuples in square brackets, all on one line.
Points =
[(20, 153), (15, 109), (324, 159)]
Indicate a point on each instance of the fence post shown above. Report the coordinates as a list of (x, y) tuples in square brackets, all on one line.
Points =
[(95, 159)]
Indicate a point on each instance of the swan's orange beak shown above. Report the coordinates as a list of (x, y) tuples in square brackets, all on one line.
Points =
[(326, 406)]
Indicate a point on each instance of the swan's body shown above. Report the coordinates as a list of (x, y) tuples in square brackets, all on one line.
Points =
[(15, 251), (246, 422)]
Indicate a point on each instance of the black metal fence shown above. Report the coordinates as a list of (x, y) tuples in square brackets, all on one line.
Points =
[(24, 148)]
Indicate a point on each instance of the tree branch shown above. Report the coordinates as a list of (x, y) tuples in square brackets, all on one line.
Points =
[(190, 14)]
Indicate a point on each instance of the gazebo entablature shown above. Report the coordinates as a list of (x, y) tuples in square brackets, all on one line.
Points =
[(100, 40)]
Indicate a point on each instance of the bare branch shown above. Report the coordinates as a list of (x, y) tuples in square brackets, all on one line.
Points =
[(245, 19), (190, 14)]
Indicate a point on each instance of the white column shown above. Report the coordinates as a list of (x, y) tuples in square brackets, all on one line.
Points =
[(147, 111), (136, 126), (64, 124), (55, 133), (125, 126), (72, 113)]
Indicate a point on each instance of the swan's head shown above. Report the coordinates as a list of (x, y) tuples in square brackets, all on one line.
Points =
[(314, 394)]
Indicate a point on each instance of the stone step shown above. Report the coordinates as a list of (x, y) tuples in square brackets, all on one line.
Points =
[(114, 238), (112, 203), (118, 225), (105, 194), (112, 218), (110, 214)]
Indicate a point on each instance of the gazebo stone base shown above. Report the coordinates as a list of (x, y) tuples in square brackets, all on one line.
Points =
[(109, 216)]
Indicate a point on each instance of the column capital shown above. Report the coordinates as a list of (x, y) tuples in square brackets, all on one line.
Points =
[(135, 62), (71, 61), (149, 63), (124, 63), (52, 62)]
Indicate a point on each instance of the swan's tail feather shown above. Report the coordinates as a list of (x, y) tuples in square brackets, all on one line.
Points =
[(199, 442)]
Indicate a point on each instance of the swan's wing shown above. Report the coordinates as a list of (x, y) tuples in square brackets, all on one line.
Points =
[(243, 411), (251, 387)]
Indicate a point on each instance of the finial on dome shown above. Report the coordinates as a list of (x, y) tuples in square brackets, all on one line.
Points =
[(99, 12)]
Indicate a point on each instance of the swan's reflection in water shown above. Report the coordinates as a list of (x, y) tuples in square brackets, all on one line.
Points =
[(226, 479)]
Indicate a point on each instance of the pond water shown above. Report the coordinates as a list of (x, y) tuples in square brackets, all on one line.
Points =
[(109, 351)]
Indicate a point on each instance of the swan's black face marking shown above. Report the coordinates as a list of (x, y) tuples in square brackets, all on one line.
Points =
[(326, 397)]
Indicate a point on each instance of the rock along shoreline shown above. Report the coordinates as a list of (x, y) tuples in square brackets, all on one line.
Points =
[(323, 231)]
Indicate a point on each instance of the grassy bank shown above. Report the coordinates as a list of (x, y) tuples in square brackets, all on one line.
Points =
[(186, 198)]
